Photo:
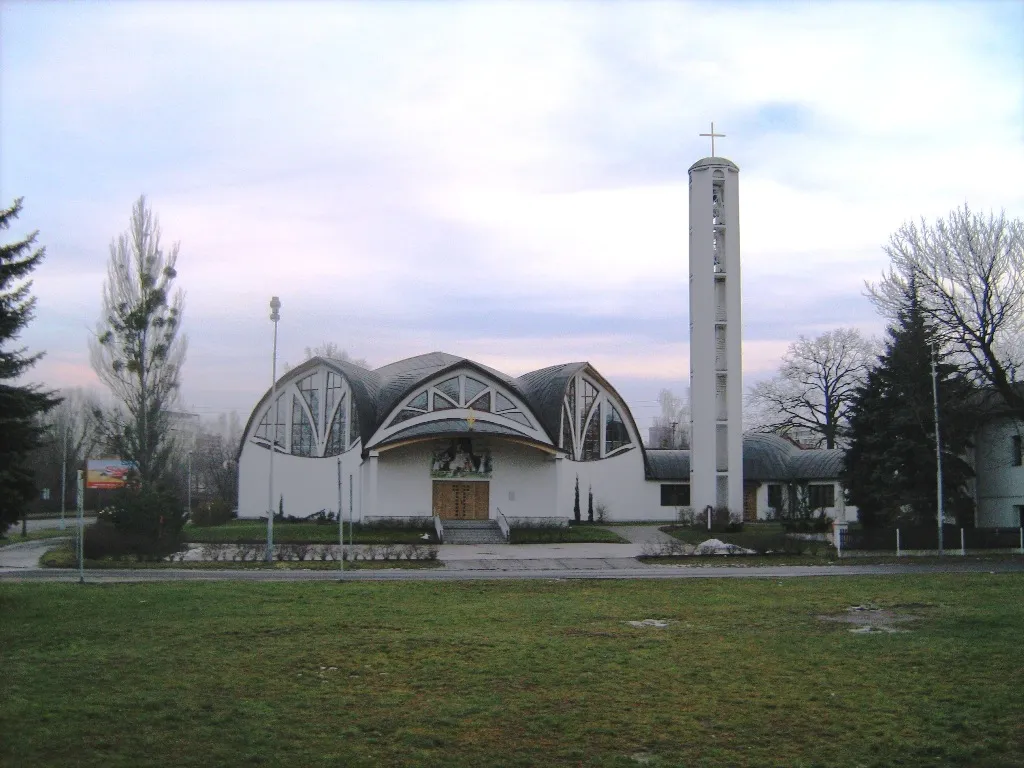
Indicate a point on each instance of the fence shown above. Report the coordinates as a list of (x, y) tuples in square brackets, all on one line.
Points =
[(953, 538)]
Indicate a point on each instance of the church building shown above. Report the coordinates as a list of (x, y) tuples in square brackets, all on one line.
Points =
[(441, 435)]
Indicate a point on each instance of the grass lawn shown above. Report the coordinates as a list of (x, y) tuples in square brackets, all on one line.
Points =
[(574, 534), (512, 674), (15, 537), (760, 537), (255, 531)]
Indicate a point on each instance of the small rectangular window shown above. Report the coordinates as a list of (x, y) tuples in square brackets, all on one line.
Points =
[(1018, 451), (775, 496), (675, 495), (820, 496)]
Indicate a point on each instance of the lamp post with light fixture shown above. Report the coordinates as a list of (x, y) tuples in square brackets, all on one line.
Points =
[(275, 315)]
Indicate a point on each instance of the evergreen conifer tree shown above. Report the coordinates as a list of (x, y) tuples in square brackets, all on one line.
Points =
[(20, 406), (890, 467)]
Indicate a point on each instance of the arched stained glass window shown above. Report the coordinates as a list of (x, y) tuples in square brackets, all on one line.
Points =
[(615, 433), (404, 415), (442, 404), (302, 431), (591, 448), (473, 388), (502, 403), (333, 392), (589, 396), (353, 427), (567, 444), (311, 394), (482, 403), (518, 417), (570, 400), (338, 431), (450, 387)]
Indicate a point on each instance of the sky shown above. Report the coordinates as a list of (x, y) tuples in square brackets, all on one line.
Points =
[(502, 181)]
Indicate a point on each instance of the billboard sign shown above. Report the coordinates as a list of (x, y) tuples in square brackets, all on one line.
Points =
[(107, 473)]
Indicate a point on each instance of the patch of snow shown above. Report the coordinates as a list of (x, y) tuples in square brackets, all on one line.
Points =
[(657, 623)]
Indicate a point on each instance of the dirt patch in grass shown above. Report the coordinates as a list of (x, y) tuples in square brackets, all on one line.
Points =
[(866, 619)]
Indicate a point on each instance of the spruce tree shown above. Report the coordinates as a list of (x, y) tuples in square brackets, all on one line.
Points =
[(890, 467), (20, 406)]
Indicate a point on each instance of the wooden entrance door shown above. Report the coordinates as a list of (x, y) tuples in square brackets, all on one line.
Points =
[(750, 502), (461, 501)]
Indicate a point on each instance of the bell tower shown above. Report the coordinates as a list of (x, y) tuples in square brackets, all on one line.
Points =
[(716, 358)]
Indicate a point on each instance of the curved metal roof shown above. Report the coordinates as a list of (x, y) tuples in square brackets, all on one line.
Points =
[(666, 464), (545, 389), (766, 457)]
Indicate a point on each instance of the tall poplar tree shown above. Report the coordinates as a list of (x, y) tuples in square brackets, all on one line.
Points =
[(890, 466), (137, 351), (20, 406)]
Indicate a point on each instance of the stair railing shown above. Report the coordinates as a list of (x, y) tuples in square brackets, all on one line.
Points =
[(506, 531)]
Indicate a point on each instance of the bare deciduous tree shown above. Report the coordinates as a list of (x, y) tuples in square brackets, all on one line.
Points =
[(330, 350), (968, 270), (137, 351), (671, 428), (809, 398), (72, 436)]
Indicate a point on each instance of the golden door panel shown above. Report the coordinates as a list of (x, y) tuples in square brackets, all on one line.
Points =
[(461, 501)]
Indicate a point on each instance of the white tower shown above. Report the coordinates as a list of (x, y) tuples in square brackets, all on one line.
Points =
[(716, 381)]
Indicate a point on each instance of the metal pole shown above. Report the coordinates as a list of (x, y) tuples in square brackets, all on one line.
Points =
[(938, 448), (81, 527), (275, 305), (190, 484), (63, 479), (341, 521)]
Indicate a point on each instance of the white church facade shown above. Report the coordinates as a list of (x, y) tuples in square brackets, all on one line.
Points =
[(441, 435)]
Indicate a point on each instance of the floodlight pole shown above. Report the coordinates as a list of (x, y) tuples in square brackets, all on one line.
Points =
[(938, 448), (63, 478), (275, 315)]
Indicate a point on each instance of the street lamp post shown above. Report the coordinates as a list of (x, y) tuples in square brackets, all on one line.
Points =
[(938, 448), (275, 315), (63, 478), (190, 484)]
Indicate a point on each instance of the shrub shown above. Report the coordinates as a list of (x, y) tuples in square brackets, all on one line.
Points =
[(215, 512), (145, 523)]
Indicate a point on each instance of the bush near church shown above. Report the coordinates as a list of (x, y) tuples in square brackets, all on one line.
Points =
[(213, 512), (142, 522)]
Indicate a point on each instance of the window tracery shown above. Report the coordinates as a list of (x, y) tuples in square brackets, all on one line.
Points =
[(301, 426), (462, 391), (592, 425)]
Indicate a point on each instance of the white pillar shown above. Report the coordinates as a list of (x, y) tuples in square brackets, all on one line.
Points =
[(716, 357), (371, 501)]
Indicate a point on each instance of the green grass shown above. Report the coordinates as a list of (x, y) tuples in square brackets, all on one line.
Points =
[(511, 674), (761, 537), (574, 534), (255, 531), (46, 533)]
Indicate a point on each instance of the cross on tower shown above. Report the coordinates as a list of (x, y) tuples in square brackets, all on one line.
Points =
[(713, 135)]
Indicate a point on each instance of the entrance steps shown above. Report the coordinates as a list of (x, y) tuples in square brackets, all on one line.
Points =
[(472, 532)]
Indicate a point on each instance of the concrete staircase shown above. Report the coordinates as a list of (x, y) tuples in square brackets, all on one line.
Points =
[(472, 532)]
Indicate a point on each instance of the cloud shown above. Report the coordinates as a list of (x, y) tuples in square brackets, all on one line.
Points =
[(504, 181)]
